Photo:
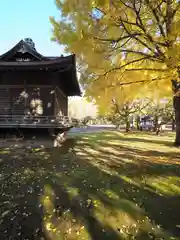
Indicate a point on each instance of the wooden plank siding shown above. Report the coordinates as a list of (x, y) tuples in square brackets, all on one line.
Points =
[(20, 100), (5, 103), (61, 103), (32, 91), (39, 100)]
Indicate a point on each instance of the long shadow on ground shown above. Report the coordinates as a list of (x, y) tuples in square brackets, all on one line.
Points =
[(23, 177), (31, 179)]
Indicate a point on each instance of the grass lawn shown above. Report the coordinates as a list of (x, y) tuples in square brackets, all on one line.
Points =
[(111, 186)]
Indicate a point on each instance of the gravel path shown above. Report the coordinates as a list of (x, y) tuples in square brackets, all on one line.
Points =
[(93, 128)]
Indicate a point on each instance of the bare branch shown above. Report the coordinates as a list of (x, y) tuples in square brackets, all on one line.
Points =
[(117, 39), (147, 69), (139, 23), (176, 9), (154, 11), (100, 10), (129, 108), (149, 37), (124, 43), (126, 5), (134, 69), (169, 17), (127, 22), (164, 44), (136, 82), (124, 65), (145, 106), (136, 38), (138, 53)]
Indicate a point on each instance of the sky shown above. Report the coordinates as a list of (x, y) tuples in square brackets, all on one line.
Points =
[(28, 18), (86, 109), (21, 19)]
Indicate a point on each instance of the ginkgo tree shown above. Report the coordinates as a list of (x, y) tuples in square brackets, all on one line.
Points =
[(161, 112), (129, 43), (123, 112)]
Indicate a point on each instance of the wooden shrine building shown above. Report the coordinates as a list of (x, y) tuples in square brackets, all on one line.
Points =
[(34, 89)]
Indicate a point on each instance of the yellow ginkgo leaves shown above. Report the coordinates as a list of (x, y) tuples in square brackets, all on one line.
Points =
[(122, 45)]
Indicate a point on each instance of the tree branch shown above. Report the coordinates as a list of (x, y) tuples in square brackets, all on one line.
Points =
[(154, 11), (124, 43), (117, 39), (136, 37), (142, 27), (140, 24), (176, 9), (100, 10), (138, 53), (147, 69), (126, 64), (169, 17), (137, 25), (135, 69), (135, 82)]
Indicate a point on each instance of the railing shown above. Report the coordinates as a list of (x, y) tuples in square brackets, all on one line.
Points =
[(34, 121)]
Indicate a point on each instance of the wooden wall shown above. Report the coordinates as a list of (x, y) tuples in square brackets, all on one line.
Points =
[(12, 77), (61, 103), (18, 101), (5, 103), (18, 89)]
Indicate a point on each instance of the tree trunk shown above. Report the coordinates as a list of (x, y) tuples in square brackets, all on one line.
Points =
[(138, 123), (159, 128), (127, 124), (173, 125), (176, 103), (155, 123), (118, 126)]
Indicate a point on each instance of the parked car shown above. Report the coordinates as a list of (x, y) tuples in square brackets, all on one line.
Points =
[(146, 126)]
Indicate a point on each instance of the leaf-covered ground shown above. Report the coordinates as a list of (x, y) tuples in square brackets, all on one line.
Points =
[(108, 186)]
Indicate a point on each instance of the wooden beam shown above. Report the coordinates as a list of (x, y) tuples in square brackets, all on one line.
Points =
[(25, 85)]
